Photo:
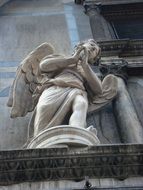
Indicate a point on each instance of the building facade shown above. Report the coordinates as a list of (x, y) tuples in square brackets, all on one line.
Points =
[(117, 26)]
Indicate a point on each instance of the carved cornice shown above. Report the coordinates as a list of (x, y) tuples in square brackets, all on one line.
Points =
[(128, 61), (110, 161), (113, 12), (112, 2), (112, 188), (115, 9), (122, 48)]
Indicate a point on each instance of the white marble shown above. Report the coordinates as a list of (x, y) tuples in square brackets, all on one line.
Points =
[(55, 86), (64, 135)]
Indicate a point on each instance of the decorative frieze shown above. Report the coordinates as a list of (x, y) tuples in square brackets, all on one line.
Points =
[(116, 161), (122, 48), (115, 9)]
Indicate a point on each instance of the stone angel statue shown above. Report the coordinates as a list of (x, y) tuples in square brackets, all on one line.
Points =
[(60, 90)]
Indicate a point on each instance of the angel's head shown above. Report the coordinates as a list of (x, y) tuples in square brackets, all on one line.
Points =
[(93, 49)]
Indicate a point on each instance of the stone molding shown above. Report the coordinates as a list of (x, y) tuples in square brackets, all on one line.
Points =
[(114, 10), (107, 2), (106, 161), (122, 48), (65, 135), (112, 188), (113, 2), (128, 60)]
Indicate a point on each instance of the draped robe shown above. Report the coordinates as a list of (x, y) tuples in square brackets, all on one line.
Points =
[(56, 101)]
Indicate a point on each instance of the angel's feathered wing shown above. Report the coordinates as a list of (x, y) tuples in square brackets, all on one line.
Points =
[(26, 81)]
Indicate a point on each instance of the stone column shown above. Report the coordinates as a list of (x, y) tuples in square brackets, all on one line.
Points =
[(99, 26), (129, 125)]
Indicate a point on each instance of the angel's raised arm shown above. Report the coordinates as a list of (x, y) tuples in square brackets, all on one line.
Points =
[(56, 62)]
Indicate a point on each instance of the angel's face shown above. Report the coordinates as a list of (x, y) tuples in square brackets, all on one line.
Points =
[(93, 51)]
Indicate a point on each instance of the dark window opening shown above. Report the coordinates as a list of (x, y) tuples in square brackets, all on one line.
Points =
[(128, 28)]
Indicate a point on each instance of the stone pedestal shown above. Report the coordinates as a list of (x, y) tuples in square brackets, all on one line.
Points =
[(65, 135)]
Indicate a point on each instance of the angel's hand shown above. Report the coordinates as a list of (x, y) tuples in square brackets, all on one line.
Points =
[(77, 55), (84, 57)]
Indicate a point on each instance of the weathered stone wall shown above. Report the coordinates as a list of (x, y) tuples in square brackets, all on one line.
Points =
[(132, 183), (24, 25), (2, 2)]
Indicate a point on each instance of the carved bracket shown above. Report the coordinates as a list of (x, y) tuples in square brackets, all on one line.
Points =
[(117, 67), (121, 67)]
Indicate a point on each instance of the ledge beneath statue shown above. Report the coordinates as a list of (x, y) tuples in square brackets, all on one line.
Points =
[(102, 161), (113, 188)]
